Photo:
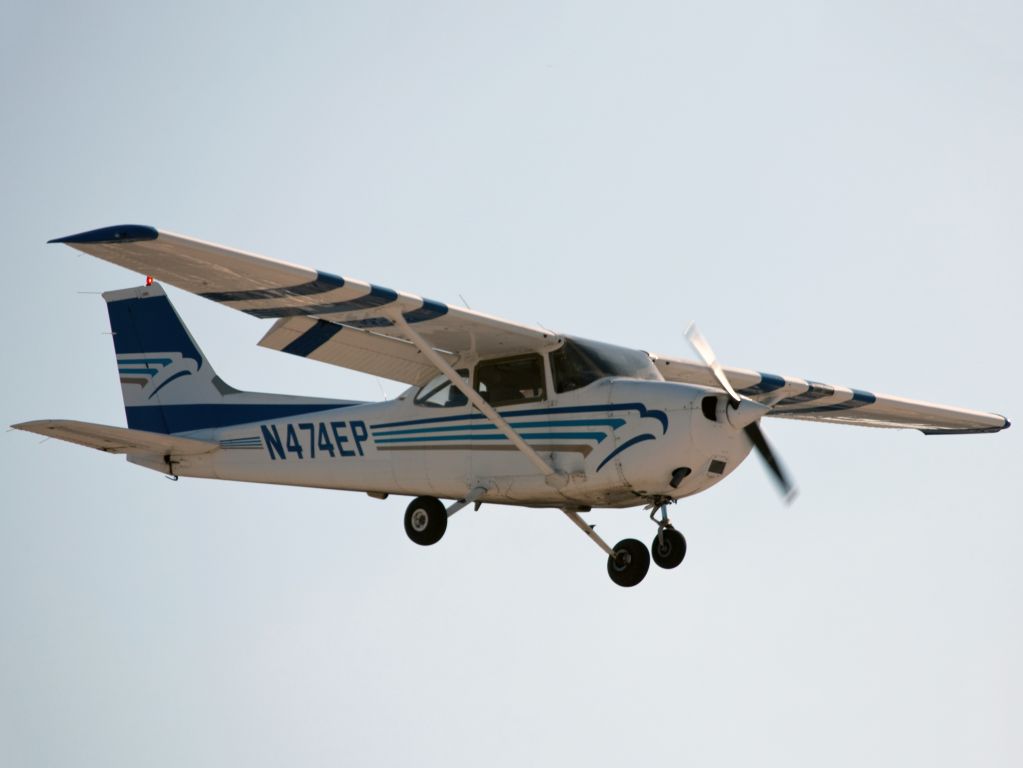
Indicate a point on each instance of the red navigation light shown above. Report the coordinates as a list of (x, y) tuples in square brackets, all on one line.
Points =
[(149, 280)]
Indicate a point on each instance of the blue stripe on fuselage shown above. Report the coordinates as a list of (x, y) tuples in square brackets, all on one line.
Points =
[(596, 436), (644, 412), (170, 419), (613, 423)]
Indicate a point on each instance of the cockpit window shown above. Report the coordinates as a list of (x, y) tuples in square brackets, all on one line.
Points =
[(580, 362), (511, 380), (439, 392)]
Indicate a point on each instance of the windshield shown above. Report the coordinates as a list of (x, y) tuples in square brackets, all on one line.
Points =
[(439, 392), (580, 362)]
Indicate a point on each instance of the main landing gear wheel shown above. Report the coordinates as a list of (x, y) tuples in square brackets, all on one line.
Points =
[(629, 563), (668, 548), (426, 519)]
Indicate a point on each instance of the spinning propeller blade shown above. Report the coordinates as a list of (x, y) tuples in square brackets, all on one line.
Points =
[(707, 355), (756, 436), (752, 429)]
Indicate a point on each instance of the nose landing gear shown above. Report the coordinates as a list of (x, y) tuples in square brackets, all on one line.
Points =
[(669, 546)]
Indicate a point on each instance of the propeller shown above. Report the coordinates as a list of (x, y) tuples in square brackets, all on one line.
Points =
[(743, 413)]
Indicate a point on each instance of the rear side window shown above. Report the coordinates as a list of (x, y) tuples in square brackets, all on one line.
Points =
[(511, 380)]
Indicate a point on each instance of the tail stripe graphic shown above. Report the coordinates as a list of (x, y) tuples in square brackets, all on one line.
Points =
[(167, 384), (145, 326)]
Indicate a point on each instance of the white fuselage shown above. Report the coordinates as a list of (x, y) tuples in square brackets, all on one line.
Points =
[(617, 441)]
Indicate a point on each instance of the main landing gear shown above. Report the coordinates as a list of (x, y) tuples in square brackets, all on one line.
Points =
[(426, 518), (629, 561)]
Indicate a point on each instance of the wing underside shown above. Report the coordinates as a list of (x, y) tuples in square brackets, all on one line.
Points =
[(795, 398), (360, 350)]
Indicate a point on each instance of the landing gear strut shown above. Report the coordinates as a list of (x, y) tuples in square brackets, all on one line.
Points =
[(669, 546), (426, 518), (627, 563)]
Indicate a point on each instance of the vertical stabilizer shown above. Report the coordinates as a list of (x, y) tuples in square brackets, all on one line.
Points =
[(167, 383)]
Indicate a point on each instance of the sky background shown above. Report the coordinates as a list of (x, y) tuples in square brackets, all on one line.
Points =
[(831, 192)]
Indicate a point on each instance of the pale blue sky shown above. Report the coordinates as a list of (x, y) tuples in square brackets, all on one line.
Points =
[(831, 192)]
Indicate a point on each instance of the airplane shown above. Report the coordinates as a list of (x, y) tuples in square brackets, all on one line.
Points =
[(496, 412)]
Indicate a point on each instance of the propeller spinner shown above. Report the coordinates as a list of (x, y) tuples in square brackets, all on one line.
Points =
[(744, 413)]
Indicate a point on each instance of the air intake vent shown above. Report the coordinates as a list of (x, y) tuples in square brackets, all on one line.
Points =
[(710, 407)]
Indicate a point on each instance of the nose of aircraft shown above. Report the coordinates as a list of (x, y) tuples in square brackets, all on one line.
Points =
[(745, 413)]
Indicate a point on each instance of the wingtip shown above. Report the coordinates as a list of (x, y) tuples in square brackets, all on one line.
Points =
[(121, 233)]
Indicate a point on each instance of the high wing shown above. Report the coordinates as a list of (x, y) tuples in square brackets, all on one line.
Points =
[(795, 398), (320, 315), (362, 326)]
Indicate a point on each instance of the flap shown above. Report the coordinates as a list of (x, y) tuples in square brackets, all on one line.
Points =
[(352, 348)]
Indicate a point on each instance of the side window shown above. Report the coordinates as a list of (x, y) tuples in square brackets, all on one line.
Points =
[(439, 392), (511, 380)]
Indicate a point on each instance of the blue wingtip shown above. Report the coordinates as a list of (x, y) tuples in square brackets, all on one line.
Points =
[(123, 233)]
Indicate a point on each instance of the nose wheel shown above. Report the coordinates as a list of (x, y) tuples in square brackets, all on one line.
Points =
[(668, 548)]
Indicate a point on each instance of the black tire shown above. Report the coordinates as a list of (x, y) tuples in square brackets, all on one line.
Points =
[(670, 552), (426, 519), (629, 564)]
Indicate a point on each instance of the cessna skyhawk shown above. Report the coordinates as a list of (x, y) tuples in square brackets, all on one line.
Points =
[(496, 412)]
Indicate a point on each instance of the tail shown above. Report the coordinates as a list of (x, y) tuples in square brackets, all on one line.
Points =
[(167, 383)]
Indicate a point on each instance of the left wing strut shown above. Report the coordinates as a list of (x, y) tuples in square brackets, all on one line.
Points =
[(553, 477)]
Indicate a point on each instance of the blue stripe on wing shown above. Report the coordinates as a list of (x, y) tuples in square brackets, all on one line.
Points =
[(859, 399)]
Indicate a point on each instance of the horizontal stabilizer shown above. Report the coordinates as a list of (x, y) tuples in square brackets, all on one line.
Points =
[(116, 439)]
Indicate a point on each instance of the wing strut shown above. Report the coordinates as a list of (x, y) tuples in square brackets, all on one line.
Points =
[(554, 478)]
